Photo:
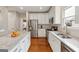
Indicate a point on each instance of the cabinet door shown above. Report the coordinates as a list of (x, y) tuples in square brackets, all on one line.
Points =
[(57, 15), (39, 18), (46, 20), (50, 39), (33, 16), (56, 44), (41, 33)]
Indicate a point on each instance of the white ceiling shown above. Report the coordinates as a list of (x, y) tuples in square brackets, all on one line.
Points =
[(28, 8)]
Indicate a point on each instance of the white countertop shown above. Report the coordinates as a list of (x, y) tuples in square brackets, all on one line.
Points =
[(8, 42), (73, 43)]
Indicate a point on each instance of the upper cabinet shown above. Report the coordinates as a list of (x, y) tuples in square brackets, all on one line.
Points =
[(51, 12), (41, 17), (58, 15), (33, 16)]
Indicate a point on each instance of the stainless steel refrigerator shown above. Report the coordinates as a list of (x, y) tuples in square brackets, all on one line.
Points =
[(33, 27)]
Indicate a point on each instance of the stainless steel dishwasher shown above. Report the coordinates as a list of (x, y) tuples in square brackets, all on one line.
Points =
[(65, 48)]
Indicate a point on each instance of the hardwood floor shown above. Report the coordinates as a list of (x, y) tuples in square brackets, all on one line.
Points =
[(39, 45)]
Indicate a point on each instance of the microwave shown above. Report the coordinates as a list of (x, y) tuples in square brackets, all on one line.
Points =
[(51, 20)]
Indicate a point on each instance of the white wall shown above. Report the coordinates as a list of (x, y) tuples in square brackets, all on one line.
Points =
[(4, 19), (0, 20), (10, 20), (13, 21), (77, 14), (22, 17), (17, 23), (73, 31), (27, 19)]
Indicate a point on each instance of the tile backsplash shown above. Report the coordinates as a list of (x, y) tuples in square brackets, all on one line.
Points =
[(43, 26)]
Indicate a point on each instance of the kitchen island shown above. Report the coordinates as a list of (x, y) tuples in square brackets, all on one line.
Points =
[(20, 43)]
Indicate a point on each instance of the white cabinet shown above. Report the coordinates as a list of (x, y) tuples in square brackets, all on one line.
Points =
[(33, 16), (58, 13), (51, 13), (50, 39), (41, 33), (54, 42), (41, 17), (46, 19)]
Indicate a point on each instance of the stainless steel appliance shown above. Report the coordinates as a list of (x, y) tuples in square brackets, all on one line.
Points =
[(51, 20), (33, 27), (65, 48)]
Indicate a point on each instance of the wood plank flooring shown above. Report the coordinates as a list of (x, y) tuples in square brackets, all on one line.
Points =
[(39, 45)]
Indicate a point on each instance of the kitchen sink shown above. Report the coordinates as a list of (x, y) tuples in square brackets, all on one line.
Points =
[(66, 36), (63, 35)]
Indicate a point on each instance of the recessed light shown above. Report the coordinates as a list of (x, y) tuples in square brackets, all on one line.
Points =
[(41, 8), (21, 8)]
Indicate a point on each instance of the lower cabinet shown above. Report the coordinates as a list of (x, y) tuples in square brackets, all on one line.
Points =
[(41, 33), (54, 42), (23, 45)]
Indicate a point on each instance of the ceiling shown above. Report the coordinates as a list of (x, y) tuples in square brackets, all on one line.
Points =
[(22, 9)]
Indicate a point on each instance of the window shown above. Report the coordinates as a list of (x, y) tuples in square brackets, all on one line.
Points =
[(69, 14)]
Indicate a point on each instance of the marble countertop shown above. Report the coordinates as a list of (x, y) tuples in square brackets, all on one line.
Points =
[(8, 42), (72, 42)]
